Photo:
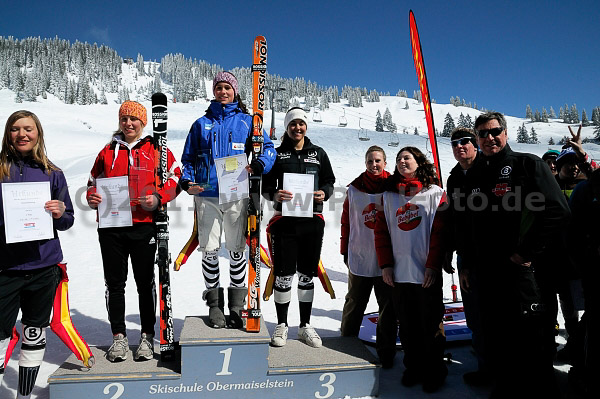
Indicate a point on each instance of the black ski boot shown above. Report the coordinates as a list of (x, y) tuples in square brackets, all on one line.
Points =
[(215, 299), (236, 298)]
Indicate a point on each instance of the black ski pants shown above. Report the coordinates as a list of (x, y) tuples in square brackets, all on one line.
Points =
[(517, 333), (420, 312), (117, 245)]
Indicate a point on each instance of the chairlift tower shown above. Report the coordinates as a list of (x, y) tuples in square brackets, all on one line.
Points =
[(272, 135)]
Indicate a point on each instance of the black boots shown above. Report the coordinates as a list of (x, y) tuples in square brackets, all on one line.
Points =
[(236, 299), (215, 299)]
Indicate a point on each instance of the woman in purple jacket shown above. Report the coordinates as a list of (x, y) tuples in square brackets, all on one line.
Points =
[(29, 273)]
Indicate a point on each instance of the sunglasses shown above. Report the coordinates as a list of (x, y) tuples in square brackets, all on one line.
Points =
[(461, 141), (483, 133)]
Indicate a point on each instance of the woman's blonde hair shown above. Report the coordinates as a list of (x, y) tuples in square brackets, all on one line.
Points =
[(9, 153)]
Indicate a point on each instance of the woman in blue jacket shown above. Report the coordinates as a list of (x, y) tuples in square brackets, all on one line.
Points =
[(223, 131), (29, 273)]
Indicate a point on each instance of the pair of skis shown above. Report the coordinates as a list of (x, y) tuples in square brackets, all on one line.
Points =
[(161, 220), (259, 78)]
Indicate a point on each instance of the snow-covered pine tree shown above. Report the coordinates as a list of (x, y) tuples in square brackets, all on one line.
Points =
[(596, 116), (448, 126), (378, 122), (551, 141), (406, 105), (574, 114), (417, 95), (552, 114), (469, 122), (522, 135), (544, 115), (584, 119), (596, 122), (528, 113), (567, 114), (533, 138), (140, 65), (102, 99), (387, 119)]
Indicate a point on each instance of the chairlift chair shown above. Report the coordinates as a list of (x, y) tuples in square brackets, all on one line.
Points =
[(343, 121), (394, 140), (363, 134), (316, 116)]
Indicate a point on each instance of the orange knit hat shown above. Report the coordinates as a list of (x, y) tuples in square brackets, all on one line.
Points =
[(133, 108)]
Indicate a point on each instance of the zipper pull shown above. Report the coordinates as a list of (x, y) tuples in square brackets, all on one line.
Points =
[(215, 143)]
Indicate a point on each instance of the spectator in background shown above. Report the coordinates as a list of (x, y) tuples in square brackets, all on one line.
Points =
[(585, 236), (550, 158)]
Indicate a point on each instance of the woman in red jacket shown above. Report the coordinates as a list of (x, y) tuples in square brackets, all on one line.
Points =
[(129, 154), (363, 199), (408, 234)]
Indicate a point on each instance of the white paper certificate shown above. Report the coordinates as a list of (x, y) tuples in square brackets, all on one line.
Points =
[(115, 209), (25, 218), (303, 187), (232, 177)]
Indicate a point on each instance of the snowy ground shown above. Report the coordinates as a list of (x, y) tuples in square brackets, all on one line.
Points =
[(74, 135)]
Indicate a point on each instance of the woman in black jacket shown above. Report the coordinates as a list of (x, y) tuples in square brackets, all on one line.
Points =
[(296, 241)]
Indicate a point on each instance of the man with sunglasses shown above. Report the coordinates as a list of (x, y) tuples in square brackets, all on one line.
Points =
[(466, 152), (511, 215)]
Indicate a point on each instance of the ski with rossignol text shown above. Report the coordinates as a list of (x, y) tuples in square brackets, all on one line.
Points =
[(161, 220), (259, 75)]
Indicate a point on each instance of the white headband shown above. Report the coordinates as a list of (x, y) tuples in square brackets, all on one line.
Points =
[(295, 113)]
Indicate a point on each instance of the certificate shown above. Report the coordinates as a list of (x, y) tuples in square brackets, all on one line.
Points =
[(115, 208), (25, 218), (303, 187), (232, 177)]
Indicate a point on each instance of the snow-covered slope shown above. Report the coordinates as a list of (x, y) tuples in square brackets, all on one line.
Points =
[(76, 133)]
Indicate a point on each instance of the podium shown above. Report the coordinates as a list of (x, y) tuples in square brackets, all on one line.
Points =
[(227, 363)]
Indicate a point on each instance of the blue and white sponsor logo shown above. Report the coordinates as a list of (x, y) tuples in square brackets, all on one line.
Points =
[(208, 126)]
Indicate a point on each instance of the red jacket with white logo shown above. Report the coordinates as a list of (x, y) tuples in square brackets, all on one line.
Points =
[(138, 162)]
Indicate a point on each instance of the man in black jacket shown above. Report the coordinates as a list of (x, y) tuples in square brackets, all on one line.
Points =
[(466, 153), (512, 211)]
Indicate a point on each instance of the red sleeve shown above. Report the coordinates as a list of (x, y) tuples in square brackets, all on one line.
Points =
[(383, 241), (437, 251), (97, 171), (170, 189), (345, 227)]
